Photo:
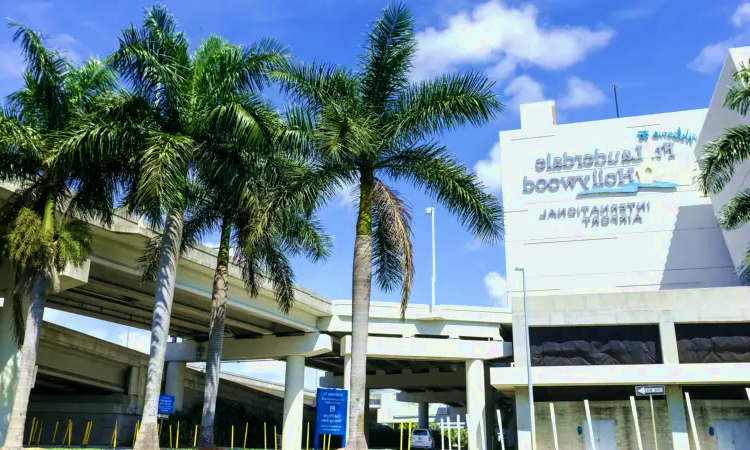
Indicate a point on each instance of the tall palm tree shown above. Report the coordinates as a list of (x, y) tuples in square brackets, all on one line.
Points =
[(259, 198), (42, 226), (164, 125), (263, 232), (716, 164), (373, 124)]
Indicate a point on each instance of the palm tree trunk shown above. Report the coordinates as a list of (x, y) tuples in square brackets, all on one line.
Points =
[(165, 281), (34, 320), (361, 284), (216, 337)]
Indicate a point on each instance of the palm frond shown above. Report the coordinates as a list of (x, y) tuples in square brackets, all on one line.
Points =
[(436, 106), (162, 174), (313, 85), (716, 165), (735, 213), (73, 243), (20, 150), (431, 167), (391, 242), (87, 82), (45, 71), (738, 95), (389, 50)]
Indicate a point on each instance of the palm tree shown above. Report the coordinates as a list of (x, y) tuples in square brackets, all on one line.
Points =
[(42, 226), (716, 164), (161, 131), (261, 204), (374, 124)]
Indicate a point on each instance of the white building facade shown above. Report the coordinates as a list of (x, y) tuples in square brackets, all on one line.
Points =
[(630, 282)]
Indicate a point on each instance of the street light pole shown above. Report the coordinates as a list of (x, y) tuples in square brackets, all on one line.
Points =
[(528, 358), (431, 212)]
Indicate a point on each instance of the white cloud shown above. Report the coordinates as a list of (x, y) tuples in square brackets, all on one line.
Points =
[(137, 340), (581, 93), (65, 43), (741, 15), (488, 170), (347, 195), (11, 61), (34, 8), (497, 288), (496, 34), (712, 56), (524, 89)]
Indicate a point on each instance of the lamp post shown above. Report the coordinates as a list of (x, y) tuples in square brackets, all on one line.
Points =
[(528, 358), (431, 212)]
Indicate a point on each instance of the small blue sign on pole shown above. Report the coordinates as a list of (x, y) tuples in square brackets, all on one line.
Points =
[(166, 404), (331, 413)]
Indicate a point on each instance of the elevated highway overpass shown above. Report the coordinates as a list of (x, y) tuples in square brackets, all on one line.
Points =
[(455, 346)]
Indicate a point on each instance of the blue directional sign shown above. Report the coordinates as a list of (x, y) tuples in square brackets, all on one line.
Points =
[(331, 413), (166, 404)]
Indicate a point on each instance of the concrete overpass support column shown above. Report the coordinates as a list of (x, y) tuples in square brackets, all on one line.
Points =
[(294, 383), (10, 355), (424, 415), (678, 423), (175, 385), (523, 418), (668, 338), (475, 404)]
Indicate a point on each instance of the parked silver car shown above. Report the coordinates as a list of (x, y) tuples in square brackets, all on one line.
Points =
[(421, 438)]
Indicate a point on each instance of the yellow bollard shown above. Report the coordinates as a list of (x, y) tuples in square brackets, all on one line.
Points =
[(244, 442), (307, 442), (39, 435), (265, 437), (135, 431), (87, 432), (329, 441), (31, 431), (324, 442), (275, 444), (177, 440), (170, 435), (232, 446), (114, 436), (54, 435), (401, 436), (409, 436), (195, 437), (70, 434)]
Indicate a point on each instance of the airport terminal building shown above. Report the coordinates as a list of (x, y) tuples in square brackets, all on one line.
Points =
[(639, 325), (630, 282)]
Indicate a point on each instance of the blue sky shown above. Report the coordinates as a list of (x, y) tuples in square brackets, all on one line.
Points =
[(664, 55)]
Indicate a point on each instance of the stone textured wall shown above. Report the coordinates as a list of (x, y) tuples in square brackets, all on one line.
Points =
[(570, 415)]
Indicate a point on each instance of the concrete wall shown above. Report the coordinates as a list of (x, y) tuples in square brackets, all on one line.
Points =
[(678, 245), (570, 415), (717, 120)]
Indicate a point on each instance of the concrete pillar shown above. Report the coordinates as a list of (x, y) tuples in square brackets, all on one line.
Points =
[(678, 423), (348, 385), (490, 416), (294, 403), (475, 404), (367, 415), (424, 415), (10, 355), (523, 418), (668, 338), (175, 384)]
